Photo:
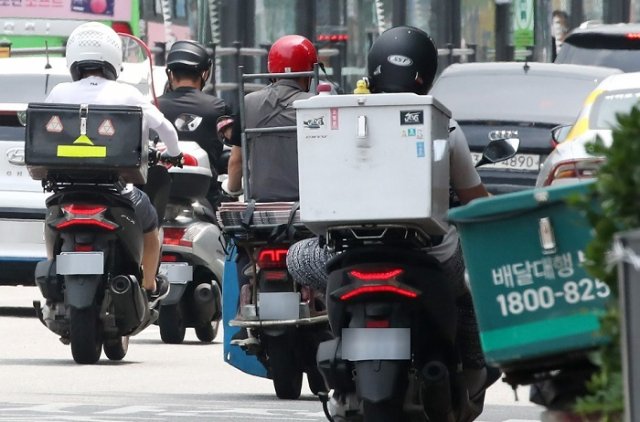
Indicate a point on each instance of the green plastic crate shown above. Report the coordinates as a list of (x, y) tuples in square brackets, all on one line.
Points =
[(531, 301)]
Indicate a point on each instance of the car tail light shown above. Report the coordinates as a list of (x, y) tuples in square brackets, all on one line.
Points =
[(378, 288), (633, 36), (122, 28), (85, 215), (272, 257), (573, 171), (379, 323), (381, 274)]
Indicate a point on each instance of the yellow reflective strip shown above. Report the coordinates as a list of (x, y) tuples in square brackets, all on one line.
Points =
[(81, 151), (83, 139), (578, 129), (594, 94)]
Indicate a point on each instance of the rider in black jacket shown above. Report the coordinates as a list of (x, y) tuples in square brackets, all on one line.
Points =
[(188, 68)]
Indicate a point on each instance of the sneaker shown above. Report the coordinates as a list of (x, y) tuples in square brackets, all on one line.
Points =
[(162, 290), (242, 339)]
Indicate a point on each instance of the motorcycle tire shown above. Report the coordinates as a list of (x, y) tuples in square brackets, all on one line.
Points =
[(85, 335), (172, 324), (116, 349), (316, 381), (286, 375), (208, 332)]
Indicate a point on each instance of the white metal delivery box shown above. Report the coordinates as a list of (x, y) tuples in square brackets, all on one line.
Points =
[(376, 158)]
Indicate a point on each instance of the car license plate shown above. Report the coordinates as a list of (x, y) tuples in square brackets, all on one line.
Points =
[(520, 162)]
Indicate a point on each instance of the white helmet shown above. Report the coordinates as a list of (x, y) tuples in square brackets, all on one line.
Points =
[(94, 45)]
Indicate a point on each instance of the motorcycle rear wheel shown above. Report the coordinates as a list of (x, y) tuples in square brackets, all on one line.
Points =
[(116, 349), (85, 334), (172, 325), (286, 374), (208, 332)]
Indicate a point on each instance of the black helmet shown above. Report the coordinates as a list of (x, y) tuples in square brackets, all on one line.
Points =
[(189, 55), (402, 59)]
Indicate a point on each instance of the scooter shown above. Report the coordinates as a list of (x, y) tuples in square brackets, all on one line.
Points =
[(392, 311), (193, 253)]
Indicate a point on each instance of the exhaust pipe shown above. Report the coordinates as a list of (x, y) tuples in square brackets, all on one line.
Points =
[(206, 305), (129, 304), (436, 394)]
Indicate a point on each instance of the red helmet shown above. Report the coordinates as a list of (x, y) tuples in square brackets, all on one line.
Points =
[(292, 53)]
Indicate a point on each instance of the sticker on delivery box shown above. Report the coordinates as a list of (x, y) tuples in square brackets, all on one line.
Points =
[(334, 119), (419, 149)]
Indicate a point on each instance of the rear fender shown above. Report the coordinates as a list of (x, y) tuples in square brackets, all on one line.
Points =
[(380, 380), (80, 290)]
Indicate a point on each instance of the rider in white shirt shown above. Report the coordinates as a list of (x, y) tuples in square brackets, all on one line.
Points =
[(94, 57)]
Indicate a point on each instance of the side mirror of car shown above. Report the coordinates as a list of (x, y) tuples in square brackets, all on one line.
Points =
[(22, 117), (559, 134), (499, 150)]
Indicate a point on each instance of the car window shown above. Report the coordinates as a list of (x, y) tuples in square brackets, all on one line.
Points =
[(28, 88), (609, 104), (625, 60), (521, 98)]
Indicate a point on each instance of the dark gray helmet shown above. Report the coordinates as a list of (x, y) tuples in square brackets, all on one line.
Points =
[(188, 55), (402, 59)]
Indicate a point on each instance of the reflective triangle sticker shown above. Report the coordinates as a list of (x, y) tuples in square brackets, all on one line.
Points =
[(106, 128), (54, 125)]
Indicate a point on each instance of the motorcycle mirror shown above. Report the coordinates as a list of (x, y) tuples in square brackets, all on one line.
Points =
[(187, 122), (136, 52), (559, 133), (22, 117), (499, 150)]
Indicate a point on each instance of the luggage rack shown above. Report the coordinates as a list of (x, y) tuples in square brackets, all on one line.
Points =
[(56, 181), (349, 236)]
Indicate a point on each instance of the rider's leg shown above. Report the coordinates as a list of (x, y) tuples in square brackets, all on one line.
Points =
[(150, 259)]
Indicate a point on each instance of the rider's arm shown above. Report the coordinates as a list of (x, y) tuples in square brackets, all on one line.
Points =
[(464, 177), (155, 120), (234, 183)]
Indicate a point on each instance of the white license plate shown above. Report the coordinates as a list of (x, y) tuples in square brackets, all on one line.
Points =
[(80, 263), (180, 272), (376, 344), (520, 162), (276, 306)]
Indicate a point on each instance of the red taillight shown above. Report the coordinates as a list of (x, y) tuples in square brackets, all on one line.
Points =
[(377, 323), (272, 257), (122, 28), (85, 215), (84, 248), (573, 169), (381, 288), (376, 274), (634, 36), (190, 160), (169, 258), (174, 236), (275, 275)]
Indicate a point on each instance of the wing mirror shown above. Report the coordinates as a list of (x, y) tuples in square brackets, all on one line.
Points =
[(22, 117), (559, 134), (499, 150), (187, 122)]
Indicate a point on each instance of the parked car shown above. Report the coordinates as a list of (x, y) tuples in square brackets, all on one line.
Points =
[(518, 99), (22, 201), (570, 162), (609, 45)]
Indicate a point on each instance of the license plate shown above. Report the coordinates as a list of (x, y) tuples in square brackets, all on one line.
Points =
[(179, 272), (80, 263), (376, 344), (273, 306), (520, 162)]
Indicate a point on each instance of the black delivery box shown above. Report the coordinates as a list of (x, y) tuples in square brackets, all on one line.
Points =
[(86, 139)]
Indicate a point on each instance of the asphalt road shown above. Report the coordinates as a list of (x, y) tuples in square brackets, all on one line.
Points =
[(155, 382)]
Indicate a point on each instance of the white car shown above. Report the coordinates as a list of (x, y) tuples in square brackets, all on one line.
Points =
[(22, 199), (570, 162)]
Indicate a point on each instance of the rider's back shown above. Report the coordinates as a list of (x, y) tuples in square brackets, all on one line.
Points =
[(273, 157)]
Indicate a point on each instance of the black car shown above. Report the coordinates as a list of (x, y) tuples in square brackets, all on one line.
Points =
[(517, 99), (611, 45)]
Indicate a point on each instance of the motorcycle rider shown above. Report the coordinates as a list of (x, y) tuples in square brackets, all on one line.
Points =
[(94, 58), (188, 69), (405, 59), (273, 164)]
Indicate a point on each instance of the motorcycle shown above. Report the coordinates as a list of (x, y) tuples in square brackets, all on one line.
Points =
[(393, 315), (193, 254)]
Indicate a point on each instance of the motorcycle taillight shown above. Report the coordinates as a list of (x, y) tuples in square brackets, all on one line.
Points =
[(381, 274), (176, 236), (85, 215), (378, 288), (273, 257)]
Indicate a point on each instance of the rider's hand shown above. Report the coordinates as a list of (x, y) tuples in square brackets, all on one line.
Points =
[(177, 161), (225, 188)]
